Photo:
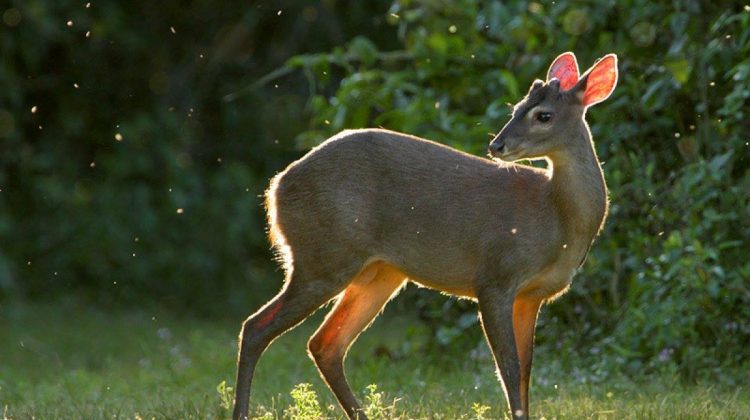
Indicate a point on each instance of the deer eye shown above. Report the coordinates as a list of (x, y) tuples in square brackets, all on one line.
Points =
[(543, 117)]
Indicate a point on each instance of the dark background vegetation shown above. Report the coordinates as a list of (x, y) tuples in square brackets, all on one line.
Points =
[(137, 137)]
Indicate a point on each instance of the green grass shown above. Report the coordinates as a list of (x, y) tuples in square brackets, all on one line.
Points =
[(70, 361)]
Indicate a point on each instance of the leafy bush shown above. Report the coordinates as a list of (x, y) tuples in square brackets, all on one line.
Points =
[(124, 174)]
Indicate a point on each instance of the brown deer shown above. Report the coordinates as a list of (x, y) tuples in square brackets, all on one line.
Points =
[(368, 210)]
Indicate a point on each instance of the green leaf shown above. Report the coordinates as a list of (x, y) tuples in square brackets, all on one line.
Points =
[(680, 69), (364, 49)]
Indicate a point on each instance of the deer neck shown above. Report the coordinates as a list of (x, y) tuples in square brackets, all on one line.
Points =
[(578, 189)]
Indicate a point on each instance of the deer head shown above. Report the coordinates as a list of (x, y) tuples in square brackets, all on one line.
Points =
[(553, 112)]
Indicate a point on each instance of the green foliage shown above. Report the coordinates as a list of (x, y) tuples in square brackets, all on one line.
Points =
[(135, 147), (226, 396), (306, 405), (124, 175), (375, 407), (479, 411), (687, 289), (665, 286)]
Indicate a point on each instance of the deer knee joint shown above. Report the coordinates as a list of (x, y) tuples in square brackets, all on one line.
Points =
[(316, 348), (322, 352)]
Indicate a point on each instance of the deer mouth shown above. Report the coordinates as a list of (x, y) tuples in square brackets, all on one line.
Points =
[(508, 156)]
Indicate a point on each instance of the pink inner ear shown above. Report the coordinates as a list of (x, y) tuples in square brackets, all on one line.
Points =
[(601, 81), (565, 69)]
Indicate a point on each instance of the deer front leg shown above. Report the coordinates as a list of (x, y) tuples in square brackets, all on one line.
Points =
[(496, 315), (525, 311)]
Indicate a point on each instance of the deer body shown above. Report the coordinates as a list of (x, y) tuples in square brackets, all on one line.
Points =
[(368, 210), (481, 212)]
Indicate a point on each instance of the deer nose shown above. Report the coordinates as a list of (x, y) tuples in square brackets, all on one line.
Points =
[(497, 146)]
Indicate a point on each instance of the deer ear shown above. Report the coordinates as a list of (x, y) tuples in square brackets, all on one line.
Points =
[(599, 81), (565, 69)]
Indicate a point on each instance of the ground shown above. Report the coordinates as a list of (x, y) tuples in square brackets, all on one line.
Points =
[(66, 360)]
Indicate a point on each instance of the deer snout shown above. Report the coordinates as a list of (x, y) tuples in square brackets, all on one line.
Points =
[(497, 147)]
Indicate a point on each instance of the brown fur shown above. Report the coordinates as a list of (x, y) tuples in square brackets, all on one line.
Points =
[(455, 212)]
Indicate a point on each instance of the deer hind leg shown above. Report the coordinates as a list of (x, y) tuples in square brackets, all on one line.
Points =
[(525, 311), (354, 311), (299, 298)]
